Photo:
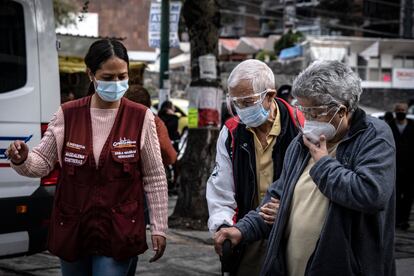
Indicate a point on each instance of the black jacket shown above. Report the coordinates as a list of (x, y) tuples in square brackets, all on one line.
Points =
[(244, 157), (404, 143)]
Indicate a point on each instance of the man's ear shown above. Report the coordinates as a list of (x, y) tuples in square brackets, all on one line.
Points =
[(271, 94), (342, 111)]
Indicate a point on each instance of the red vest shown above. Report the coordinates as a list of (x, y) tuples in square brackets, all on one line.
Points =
[(99, 211)]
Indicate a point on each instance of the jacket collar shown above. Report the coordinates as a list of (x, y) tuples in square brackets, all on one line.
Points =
[(358, 122)]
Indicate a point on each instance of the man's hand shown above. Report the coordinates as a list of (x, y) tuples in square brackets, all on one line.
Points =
[(269, 210), (231, 233), (317, 151), (17, 152), (158, 245)]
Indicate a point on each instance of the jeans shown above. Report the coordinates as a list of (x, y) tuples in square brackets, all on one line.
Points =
[(95, 266)]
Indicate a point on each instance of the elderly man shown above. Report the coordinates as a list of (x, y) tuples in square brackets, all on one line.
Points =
[(250, 152), (336, 190)]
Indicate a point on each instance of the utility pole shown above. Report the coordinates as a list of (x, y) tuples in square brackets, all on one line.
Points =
[(164, 93)]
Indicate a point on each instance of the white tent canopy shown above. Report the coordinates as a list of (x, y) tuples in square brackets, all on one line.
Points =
[(250, 45), (328, 50)]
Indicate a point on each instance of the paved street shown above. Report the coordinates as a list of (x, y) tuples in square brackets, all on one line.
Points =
[(187, 253), (183, 256)]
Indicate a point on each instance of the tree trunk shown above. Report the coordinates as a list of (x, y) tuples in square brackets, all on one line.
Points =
[(194, 170), (202, 20)]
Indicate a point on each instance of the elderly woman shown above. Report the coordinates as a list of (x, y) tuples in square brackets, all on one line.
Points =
[(336, 214)]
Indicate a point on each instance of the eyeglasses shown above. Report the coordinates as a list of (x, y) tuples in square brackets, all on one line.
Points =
[(250, 100), (316, 112)]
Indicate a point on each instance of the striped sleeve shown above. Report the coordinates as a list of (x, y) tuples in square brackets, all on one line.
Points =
[(155, 182)]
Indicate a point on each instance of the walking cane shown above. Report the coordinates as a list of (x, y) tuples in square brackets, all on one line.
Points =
[(226, 258)]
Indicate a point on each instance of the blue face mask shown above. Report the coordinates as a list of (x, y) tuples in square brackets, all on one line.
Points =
[(111, 91), (253, 116)]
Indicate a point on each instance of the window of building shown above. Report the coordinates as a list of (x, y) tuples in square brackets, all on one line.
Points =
[(397, 62), (13, 72), (409, 62), (374, 74), (386, 75)]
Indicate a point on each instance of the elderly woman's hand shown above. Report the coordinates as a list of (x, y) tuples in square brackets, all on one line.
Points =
[(317, 151), (269, 210)]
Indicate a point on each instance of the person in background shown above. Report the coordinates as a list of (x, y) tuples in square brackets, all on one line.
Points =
[(388, 117), (250, 152), (109, 154), (284, 92), (403, 131), (337, 187), (67, 97), (139, 94), (167, 115)]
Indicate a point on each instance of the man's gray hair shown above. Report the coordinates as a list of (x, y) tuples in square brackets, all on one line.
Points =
[(328, 82), (256, 72)]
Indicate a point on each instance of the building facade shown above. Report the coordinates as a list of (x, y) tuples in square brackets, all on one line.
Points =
[(127, 19)]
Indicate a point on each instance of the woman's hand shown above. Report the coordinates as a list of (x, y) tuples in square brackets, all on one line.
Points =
[(269, 210), (317, 151), (17, 152), (231, 233), (158, 245)]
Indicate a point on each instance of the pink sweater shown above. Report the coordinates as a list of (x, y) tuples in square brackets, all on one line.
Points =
[(42, 158)]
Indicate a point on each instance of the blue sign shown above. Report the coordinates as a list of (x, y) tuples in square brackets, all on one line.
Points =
[(292, 52)]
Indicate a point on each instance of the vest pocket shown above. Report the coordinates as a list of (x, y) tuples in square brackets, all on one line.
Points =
[(128, 230), (63, 235), (123, 168)]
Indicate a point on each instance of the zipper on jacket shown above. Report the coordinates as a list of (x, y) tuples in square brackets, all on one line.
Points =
[(254, 173)]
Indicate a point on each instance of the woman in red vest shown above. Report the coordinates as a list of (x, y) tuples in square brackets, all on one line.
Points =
[(105, 146)]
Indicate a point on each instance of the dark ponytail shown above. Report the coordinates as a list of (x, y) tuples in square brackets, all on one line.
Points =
[(100, 51)]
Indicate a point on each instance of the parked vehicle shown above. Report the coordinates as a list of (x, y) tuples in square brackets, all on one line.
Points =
[(29, 95), (381, 115)]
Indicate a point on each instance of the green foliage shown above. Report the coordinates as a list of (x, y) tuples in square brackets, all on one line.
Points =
[(64, 11), (265, 56), (287, 40)]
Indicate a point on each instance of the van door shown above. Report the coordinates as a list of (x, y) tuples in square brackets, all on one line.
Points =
[(19, 89)]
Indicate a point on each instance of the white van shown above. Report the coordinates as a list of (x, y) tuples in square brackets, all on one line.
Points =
[(29, 95)]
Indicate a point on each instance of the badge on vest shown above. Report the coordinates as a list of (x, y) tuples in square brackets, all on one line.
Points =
[(74, 154), (124, 143), (124, 150)]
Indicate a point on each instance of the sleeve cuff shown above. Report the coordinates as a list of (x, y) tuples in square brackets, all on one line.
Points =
[(158, 233), (20, 168)]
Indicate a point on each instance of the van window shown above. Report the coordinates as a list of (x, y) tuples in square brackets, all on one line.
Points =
[(13, 73)]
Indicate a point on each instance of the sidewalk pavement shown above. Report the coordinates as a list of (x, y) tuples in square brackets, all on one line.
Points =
[(404, 249), (188, 253)]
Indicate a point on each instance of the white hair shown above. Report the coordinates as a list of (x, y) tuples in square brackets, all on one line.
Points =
[(329, 82), (254, 71)]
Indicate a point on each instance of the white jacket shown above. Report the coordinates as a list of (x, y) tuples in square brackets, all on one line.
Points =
[(220, 191)]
